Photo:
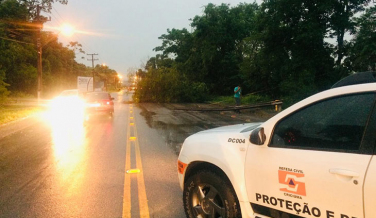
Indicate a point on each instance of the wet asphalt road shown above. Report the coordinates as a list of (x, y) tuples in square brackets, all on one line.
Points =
[(75, 170)]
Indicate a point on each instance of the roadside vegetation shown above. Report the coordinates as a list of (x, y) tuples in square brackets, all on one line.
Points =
[(18, 54), (274, 50), (248, 99), (10, 113)]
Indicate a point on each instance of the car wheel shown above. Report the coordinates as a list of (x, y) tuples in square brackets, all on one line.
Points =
[(207, 194)]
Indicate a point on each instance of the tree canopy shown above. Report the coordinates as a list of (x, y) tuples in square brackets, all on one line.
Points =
[(362, 50), (278, 51), (18, 53)]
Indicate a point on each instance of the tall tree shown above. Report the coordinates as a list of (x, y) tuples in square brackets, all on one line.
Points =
[(363, 50), (45, 5), (17, 52), (341, 23), (176, 43), (292, 44), (159, 61), (212, 53), (218, 36)]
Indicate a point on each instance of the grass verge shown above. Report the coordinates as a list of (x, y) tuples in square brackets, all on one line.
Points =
[(247, 99), (10, 113)]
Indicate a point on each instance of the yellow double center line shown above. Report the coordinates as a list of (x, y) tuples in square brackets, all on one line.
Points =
[(132, 139)]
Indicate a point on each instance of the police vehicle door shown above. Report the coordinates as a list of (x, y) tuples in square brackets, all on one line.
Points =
[(314, 162)]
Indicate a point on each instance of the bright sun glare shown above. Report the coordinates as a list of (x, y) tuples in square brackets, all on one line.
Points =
[(67, 30)]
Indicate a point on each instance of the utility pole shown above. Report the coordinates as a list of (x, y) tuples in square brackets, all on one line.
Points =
[(92, 63), (39, 50), (39, 20)]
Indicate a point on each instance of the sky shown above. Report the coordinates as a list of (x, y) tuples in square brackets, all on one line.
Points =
[(124, 32)]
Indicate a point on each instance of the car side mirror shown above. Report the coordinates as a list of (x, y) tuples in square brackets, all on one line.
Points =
[(258, 136)]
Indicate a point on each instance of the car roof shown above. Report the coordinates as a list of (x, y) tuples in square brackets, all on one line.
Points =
[(97, 95), (357, 78)]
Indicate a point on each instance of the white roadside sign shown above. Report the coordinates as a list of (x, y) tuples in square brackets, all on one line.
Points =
[(85, 84)]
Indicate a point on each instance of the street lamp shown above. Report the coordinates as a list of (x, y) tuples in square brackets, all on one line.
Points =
[(67, 30)]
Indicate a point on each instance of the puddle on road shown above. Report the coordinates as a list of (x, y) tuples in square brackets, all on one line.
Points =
[(173, 133), (176, 126)]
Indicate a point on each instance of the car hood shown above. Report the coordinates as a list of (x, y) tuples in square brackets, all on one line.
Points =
[(245, 127)]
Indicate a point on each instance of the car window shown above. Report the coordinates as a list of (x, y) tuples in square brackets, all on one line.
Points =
[(336, 123), (97, 96)]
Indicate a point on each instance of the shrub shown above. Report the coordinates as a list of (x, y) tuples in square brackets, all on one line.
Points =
[(3, 88), (166, 85)]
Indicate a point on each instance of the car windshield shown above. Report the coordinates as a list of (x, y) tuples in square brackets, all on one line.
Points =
[(97, 96)]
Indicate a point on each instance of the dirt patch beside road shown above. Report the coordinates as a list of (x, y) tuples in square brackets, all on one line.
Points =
[(176, 125)]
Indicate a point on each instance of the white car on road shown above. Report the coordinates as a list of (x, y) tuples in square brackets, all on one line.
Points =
[(314, 159)]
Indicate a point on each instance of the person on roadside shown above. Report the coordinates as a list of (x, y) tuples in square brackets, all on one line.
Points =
[(237, 95)]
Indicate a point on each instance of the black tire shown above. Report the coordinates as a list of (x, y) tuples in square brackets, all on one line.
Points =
[(208, 195)]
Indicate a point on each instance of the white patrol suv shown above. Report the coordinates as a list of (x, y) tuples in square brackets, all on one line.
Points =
[(314, 159)]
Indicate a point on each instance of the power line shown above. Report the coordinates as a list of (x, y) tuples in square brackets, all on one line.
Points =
[(57, 13), (57, 19)]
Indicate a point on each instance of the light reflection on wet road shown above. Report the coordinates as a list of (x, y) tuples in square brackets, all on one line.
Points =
[(69, 151), (66, 169)]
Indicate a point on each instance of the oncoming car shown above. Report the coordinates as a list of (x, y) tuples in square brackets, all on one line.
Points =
[(99, 103), (68, 106), (314, 159)]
